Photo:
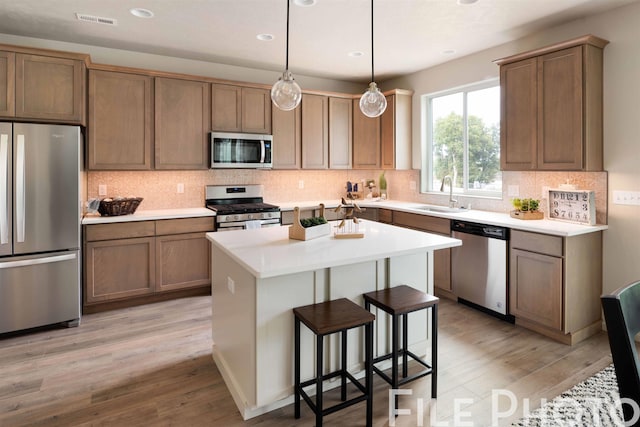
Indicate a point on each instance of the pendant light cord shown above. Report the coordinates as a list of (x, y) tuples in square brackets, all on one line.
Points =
[(286, 65), (372, 79)]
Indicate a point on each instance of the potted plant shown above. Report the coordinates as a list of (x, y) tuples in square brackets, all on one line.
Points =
[(526, 209), (309, 228)]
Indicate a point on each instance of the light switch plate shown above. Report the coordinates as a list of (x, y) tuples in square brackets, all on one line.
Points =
[(626, 197), (180, 188), (231, 285), (102, 190)]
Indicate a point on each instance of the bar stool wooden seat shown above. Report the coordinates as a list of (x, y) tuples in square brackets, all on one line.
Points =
[(324, 319), (399, 301)]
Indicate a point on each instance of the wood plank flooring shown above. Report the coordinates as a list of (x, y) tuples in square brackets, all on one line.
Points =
[(152, 366)]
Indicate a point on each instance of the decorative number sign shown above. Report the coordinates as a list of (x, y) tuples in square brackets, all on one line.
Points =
[(577, 206)]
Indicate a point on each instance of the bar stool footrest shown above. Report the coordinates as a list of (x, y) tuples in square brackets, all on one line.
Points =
[(339, 406), (403, 380)]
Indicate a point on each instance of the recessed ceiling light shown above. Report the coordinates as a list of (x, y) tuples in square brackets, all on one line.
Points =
[(304, 2), (265, 37), (467, 1), (141, 13), (448, 52), (355, 54)]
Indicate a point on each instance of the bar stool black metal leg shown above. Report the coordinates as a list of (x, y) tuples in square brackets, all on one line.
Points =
[(434, 351), (343, 362), (405, 343), (368, 366), (296, 387), (319, 355), (394, 359)]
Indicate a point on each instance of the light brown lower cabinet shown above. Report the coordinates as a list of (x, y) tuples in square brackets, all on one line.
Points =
[(555, 284), (145, 258)]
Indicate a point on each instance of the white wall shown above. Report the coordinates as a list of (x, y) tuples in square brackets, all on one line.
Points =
[(621, 122)]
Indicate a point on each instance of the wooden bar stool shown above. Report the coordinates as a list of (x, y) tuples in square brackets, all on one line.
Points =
[(328, 318), (399, 301)]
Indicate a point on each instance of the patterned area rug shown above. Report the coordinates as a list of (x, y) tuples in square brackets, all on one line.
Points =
[(593, 402)]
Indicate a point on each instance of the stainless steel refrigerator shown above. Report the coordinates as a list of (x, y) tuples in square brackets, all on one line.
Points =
[(40, 213)]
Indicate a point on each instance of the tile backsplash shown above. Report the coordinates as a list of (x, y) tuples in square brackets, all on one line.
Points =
[(159, 188)]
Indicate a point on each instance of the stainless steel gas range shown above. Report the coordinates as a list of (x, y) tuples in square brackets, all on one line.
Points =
[(240, 207)]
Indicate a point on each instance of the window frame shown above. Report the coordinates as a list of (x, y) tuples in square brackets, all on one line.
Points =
[(426, 177)]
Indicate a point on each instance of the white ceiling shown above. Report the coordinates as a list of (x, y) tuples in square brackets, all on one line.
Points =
[(410, 35)]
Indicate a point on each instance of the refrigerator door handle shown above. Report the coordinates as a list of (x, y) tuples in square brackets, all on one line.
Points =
[(20, 189), (37, 261), (4, 171)]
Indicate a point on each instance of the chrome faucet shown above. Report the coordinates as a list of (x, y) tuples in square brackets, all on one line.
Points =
[(452, 201)]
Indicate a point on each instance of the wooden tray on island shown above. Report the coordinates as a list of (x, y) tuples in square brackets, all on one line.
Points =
[(298, 232), (527, 214)]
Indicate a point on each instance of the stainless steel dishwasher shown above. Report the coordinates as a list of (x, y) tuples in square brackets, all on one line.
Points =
[(479, 267)]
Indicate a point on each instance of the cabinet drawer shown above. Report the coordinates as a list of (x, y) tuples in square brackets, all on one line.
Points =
[(422, 222), (124, 230), (385, 215), (534, 242), (184, 225)]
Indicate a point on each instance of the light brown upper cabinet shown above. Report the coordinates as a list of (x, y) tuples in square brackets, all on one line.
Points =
[(315, 131), (395, 128), (240, 109), (287, 138), (46, 88), (7, 84), (182, 123), (551, 107), (120, 121), (340, 132), (366, 139), (385, 141)]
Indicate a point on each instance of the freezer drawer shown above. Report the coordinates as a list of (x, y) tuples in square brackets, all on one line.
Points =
[(39, 290)]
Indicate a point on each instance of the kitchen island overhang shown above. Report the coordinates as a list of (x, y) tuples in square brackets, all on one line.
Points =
[(259, 276)]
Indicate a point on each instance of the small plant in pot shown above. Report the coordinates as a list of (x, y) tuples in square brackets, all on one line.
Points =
[(526, 209)]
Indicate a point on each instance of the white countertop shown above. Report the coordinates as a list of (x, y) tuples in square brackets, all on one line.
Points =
[(150, 215), (268, 252), (546, 226)]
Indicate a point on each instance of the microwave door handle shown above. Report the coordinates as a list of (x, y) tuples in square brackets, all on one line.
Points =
[(262, 151), (4, 172)]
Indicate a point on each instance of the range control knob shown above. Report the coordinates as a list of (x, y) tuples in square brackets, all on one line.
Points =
[(236, 217), (249, 216)]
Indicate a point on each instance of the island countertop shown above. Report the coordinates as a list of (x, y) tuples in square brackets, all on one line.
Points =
[(268, 252)]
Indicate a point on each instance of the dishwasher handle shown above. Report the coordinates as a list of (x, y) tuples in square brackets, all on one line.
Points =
[(484, 230)]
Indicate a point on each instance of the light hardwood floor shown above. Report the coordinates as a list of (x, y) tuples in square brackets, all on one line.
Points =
[(152, 366)]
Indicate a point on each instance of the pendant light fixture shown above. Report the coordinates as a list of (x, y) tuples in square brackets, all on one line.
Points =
[(373, 102), (285, 93)]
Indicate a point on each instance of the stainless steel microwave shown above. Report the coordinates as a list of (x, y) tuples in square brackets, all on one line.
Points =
[(241, 150)]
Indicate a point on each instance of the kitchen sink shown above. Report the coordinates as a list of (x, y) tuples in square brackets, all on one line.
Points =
[(442, 209)]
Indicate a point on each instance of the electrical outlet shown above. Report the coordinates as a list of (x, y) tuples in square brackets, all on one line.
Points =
[(545, 192), (180, 188), (301, 184), (412, 185), (231, 285), (102, 190)]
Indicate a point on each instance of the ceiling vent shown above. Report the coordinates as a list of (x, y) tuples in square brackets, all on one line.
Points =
[(96, 19)]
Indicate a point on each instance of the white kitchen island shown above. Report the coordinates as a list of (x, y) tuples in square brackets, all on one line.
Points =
[(258, 276)]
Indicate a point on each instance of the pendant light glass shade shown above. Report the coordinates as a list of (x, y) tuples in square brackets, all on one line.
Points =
[(286, 93), (373, 102)]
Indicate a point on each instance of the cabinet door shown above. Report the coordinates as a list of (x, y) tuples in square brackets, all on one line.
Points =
[(182, 261), (117, 269), (535, 288), (388, 134), (120, 121), (366, 139), (7, 84), (256, 110), (287, 138), (340, 133), (50, 88), (315, 128), (226, 108), (182, 114), (442, 269), (519, 112), (560, 115)]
